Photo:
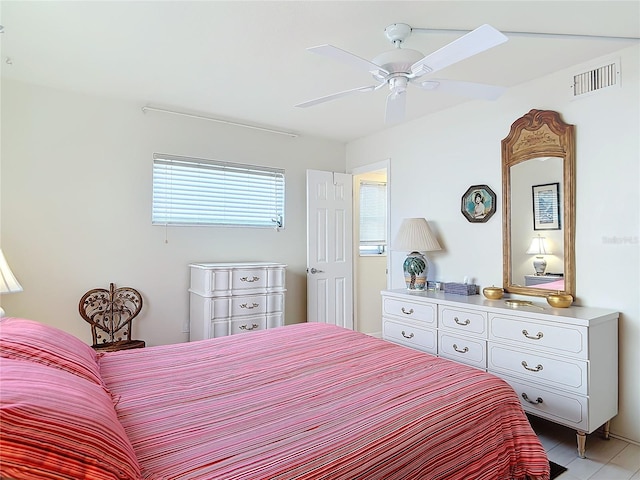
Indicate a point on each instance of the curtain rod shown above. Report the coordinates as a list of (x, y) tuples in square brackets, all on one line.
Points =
[(147, 108)]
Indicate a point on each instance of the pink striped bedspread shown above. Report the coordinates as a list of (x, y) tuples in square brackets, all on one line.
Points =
[(315, 401)]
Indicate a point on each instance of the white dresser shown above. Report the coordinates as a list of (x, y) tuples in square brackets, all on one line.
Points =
[(562, 362), (230, 298)]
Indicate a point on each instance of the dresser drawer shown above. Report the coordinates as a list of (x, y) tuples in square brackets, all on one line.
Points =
[(250, 305), (462, 349), (246, 305), (464, 321), (557, 406), (542, 336), (248, 324), (410, 335), (563, 373), (406, 309), (249, 278)]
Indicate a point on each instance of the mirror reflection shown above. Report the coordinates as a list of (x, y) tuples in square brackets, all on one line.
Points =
[(536, 231)]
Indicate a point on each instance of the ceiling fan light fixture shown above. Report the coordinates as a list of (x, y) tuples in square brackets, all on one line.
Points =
[(398, 84)]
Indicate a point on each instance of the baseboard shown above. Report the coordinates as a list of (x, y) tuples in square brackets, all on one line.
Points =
[(624, 439)]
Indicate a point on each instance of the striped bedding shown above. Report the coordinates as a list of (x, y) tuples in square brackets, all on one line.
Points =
[(315, 401)]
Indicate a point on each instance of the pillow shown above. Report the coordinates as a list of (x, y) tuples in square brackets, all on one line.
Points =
[(55, 425), (37, 342)]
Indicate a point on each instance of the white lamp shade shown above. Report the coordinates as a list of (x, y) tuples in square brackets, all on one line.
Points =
[(538, 246), (8, 281), (415, 236)]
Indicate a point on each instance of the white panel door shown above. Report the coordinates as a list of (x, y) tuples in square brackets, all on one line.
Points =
[(329, 248)]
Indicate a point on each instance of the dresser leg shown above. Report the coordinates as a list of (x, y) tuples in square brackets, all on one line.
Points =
[(605, 430), (582, 443)]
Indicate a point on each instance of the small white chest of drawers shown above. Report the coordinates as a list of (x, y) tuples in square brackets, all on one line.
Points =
[(230, 298), (562, 362)]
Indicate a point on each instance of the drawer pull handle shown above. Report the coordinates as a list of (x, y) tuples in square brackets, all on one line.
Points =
[(464, 350), (246, 327), (457, 320), (536, 402), (536, 369), (249, 279), (405, 312), (249, 307), (406, 336), (537, 337)]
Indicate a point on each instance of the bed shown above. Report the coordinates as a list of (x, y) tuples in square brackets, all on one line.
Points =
[(304, 401), (557, 285)]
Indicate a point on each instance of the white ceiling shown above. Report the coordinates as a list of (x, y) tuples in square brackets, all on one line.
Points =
[(246, 61)]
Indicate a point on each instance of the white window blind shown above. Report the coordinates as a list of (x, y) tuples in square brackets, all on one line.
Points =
[(373, 217), (193, 191)]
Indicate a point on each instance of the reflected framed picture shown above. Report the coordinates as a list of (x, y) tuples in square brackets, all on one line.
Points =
[(478, 203), (546, 211)]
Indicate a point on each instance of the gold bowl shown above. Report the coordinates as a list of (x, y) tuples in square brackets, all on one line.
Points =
[(493, 293), (560, 300)]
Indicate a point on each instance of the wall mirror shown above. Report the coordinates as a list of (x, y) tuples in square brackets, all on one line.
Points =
[(538, 163)]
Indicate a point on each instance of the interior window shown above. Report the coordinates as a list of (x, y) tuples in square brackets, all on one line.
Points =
[(373, 218)]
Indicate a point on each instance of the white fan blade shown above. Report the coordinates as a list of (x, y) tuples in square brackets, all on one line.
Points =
[(396, 105), (348, 58), (333, 96), (464, 89), (481, 39)]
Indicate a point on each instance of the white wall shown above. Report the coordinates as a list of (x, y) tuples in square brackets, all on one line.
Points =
[(435, 159), (76, 207)]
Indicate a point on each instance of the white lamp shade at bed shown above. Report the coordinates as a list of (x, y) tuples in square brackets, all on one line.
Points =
[(8, 281), (415, 236)]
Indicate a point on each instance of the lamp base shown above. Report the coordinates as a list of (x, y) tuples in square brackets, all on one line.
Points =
[(540, 265), (415, 271)]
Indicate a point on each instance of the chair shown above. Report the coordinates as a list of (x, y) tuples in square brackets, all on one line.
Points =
[(110, 313)]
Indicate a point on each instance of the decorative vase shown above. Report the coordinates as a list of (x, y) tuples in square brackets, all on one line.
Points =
[(539, 265), (493, 293), (415, 271), (560, 300)]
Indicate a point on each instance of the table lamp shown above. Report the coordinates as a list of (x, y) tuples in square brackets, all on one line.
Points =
[(8, 281), (415, 236), (539, 248)]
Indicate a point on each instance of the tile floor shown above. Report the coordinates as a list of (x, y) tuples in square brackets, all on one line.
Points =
[(611, 459)]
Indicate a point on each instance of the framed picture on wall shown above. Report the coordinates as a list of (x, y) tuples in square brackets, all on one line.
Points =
[(478, 203), (546, 211)]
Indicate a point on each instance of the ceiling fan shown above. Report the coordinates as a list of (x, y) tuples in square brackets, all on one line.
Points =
[(400, 67)]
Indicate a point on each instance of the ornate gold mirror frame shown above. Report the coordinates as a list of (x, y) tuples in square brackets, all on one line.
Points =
[(539, 139)]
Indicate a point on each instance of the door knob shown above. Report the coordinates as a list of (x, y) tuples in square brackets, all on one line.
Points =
[(315, 270)]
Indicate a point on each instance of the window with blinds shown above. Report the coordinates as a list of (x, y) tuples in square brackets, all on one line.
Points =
[(373, 218), (193, 191)]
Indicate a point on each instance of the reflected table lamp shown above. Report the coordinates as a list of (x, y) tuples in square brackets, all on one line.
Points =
[(8, 281), (539, 248), (415, 236)]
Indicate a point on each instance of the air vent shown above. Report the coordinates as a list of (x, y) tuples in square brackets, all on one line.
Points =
[(595, 80)]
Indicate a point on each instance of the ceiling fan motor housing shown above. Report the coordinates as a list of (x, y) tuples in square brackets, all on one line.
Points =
[(397, 61)]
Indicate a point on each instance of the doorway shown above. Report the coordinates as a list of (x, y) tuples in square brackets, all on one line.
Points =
[(370, 266)]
